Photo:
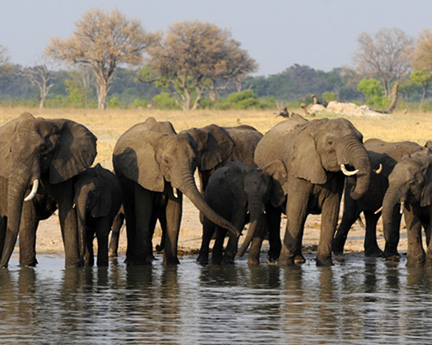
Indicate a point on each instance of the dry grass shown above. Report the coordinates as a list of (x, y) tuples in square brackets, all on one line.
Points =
[(108, 125)]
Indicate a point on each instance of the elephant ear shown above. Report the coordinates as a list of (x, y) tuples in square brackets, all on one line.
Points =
[(134, 157), (214, 146), (277, 170), (305, 162), (426, 195), (76, 151)]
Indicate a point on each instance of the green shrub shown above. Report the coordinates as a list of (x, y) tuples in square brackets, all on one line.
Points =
[(165, 101)]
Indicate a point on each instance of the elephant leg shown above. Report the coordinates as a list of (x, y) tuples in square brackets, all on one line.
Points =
[(89, 254), (428, 263), (115, 235), (329, 218), (239, 221), (163, 224), (296, 215), (415, 253), (27, 237), (255, 249), (173, 219), (2, 233), (273, 219), (350, 215), (68, 223), (208, 231), (141, 248), (370, 244), (217, 253), (102, 231), (392, 235)]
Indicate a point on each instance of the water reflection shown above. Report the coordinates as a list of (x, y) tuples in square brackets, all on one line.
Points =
[(356, 301)]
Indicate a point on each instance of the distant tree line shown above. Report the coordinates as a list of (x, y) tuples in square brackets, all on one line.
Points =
[(110, 61)]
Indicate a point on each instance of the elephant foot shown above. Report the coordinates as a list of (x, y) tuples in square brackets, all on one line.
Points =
[(28, 263), (203, 259), (271, 259), (113, 254), (415, 262), (285, 261), (324, 261), (139, 262), (227, 260), (299, 259), (338, 246), (374, 253), (428, 263), (392, 255), (171, 261), (253, 262)]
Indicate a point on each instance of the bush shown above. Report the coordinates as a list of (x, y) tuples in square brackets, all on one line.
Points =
[(165, 101), (374, 93), (139, 103)]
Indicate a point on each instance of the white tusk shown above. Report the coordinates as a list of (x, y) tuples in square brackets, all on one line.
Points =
[(379, 170), (402, 207), (379, 210), (347, 172), (33, 191), (175, 192)]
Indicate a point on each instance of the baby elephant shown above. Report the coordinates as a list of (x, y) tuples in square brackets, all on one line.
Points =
[(97, 200), (240, 194)]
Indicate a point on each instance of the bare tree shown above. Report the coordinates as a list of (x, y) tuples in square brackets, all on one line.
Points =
[(385, 56), (42, 77), (422, 55), (5, 66), (194, 56), (103, 40)]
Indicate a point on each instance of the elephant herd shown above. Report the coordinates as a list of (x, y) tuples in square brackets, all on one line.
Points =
[(299, 167)]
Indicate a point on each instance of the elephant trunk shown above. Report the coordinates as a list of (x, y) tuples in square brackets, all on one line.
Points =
[(391, 215), (191, 191), (356, 155), (17, 187), (256, 209), (80, 204)]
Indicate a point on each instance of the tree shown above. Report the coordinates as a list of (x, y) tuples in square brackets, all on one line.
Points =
[(193, 57), (5, 66), (424, 79), (103, 41), (422, 55), (42, 77), (385, 56), (373, 91)]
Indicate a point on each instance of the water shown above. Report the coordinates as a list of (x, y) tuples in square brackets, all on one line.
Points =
[(357, 301)]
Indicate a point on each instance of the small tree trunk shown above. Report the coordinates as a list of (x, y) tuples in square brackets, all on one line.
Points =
[(102, 91)]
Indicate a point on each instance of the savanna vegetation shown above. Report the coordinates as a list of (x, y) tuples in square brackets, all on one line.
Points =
[(110, 61)]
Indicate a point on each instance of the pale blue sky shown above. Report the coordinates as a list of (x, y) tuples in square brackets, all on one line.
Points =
[(277, 33)]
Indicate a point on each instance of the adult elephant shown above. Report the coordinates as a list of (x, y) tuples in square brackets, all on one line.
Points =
[(410, 192), (308, 160), (155, 166), (97, 199), (240, 194), (386, 155), (47, 154)]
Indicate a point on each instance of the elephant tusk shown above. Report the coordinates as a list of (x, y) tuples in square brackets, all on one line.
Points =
[(402, 207), (175, 192), (347, 172), (379, 170), (33, 191), (379, 210)]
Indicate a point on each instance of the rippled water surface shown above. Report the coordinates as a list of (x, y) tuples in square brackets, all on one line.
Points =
[(357, 301)]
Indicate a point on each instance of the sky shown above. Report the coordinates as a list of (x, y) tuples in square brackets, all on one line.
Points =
[(321, 34)]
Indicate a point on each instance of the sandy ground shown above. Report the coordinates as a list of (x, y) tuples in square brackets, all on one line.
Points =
[(49, 239)]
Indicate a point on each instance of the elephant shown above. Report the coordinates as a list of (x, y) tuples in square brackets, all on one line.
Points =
[(97, 200), (47, 154), (308, 161), (240, 194), (117, 225), (220, 145), (410, 192), (155, 166), (386, 155)]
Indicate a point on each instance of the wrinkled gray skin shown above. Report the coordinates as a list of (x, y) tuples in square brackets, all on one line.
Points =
[(156, 166), (410, 183), (97, 200), (304, 158), (52, 151), (240, 194), (219, 145), (386, 154)]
